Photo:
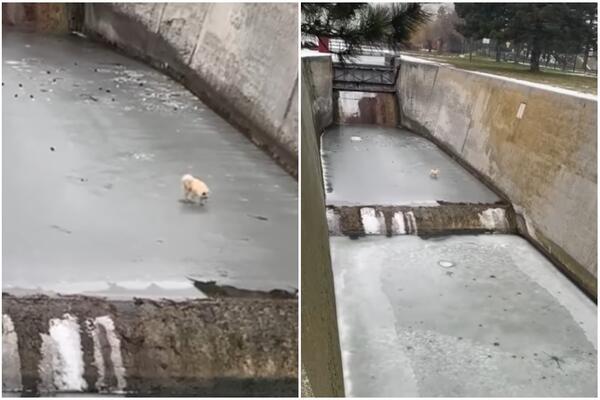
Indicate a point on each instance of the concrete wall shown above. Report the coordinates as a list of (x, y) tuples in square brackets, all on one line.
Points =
[(537, 146), (42, 17), (241, 59), (318, 72), (369, 108), (320, 343), (225, 347)]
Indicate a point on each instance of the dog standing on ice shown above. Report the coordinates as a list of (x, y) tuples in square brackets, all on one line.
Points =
[(194, 189), (434, 173)]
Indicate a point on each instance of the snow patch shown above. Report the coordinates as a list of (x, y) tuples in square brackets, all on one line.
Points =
[(541, 86), (62, 366), (417, 60)]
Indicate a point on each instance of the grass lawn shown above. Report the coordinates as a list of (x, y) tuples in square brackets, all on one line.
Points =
[(586, 84)]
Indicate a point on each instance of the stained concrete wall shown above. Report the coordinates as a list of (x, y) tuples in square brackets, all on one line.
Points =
[(318, 72), (224, 347), (241, 59), (371, 108), (537, 146), (321, 357), (42, 17)]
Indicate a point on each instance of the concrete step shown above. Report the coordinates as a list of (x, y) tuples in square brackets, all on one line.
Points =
[(444, 219)]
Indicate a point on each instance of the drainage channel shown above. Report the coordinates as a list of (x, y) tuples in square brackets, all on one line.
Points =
[(428, 312), (94, 147)]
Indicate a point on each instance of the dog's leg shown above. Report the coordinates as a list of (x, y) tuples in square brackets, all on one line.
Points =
[(187, 195)]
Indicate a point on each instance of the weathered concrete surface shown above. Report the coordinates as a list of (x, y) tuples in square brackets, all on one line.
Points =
[(356, 221), (367, 165), (365, 108), (91, 181), (241, 59), (542, 155), (41, 17), (463, 316), (320, 342), (317, 70), (145, 347)]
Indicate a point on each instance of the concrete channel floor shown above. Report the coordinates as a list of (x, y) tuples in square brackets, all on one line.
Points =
[(391, 166), (460, 316), (94, 147)]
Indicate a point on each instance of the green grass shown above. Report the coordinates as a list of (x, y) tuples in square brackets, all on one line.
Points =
[(586, 84)]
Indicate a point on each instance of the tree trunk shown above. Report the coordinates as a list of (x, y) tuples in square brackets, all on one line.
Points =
[(517, 53), (470, 50), (586, 53), (497, 51), (534, 63)]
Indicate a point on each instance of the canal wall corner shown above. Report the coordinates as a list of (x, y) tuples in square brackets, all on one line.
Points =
[(318, 72)]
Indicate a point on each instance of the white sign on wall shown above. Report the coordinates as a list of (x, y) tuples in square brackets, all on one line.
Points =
[(485, 40)]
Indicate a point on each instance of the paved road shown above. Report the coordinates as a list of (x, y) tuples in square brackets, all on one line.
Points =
[(391, 167), (462, 316), (94, 145)]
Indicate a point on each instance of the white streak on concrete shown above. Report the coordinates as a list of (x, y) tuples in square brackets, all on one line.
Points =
[(398, 227), (372, 221), (98, 358), (62, 365), (493, 218), (333, 222), (115, 350), (11, 361), (412, 223)]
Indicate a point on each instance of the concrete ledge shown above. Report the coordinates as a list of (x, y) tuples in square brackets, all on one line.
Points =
[(233, 347), (445, 219)]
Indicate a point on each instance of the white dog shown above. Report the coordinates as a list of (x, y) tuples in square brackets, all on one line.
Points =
[(194, 189), (434, 173)]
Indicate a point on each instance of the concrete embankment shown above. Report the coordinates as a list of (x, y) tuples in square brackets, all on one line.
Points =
[(535, 144), (141, 347), (241, 59)]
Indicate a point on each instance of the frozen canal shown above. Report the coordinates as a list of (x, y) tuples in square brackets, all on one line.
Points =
[(94, 146), (391, 167), (463, 316)]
